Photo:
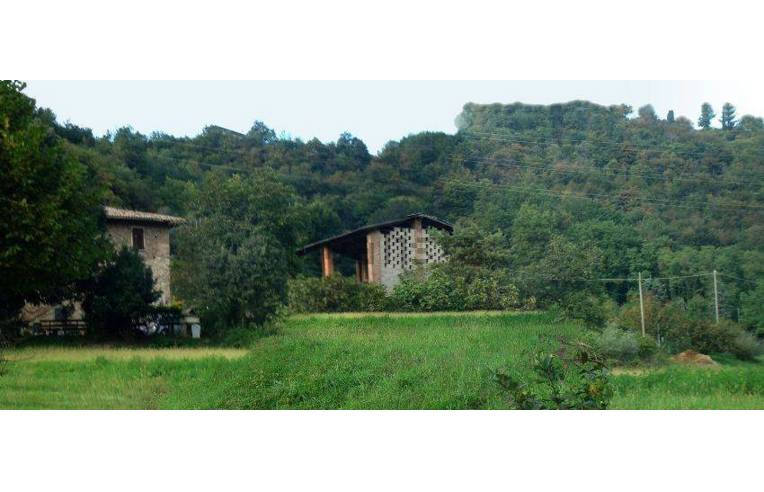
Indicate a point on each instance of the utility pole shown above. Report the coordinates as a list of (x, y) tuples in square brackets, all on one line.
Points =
[(642, 304), (716, 299)]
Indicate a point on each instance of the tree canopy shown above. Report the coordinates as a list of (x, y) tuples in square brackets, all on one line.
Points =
[(51, 228)]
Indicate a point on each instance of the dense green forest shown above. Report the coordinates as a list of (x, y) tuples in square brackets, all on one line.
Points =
[(577, 190)]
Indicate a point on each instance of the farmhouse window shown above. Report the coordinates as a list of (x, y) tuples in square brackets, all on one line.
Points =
[(137, 238)]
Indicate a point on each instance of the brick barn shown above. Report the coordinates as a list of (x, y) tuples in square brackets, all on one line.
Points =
[(383, 251)]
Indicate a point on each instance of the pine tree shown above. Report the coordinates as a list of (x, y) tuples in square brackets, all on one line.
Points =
[(670, 116), (728, 116), (706, 115)]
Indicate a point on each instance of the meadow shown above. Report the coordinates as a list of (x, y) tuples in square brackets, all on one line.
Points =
[(351, 361)]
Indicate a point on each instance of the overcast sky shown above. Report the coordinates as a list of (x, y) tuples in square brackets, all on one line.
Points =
[(374, 111)]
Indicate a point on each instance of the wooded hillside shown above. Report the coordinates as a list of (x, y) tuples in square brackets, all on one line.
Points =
[(597, 188)]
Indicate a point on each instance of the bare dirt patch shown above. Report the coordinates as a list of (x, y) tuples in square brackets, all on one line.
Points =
[(691, 357)]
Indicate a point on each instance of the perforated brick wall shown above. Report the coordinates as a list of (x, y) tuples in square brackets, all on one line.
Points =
[(399, 253)]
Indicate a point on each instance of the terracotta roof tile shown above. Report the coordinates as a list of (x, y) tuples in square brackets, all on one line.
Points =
[(113, 213)]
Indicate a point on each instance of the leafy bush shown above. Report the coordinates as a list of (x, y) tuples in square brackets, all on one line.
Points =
[(592, 310), (119, 295), (680, 328), (753, 308), (475, 276), (746, 346), (561, 381), (334, 294), (444, 288), (619, 345), (648, 347)]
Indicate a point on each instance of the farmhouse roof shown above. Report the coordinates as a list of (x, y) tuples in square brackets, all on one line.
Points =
[(121, 214), (350, 240)]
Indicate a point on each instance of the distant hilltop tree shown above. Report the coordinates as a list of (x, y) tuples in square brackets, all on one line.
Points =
[(728, 116), (706, 116), (647, 113), (670, 116)]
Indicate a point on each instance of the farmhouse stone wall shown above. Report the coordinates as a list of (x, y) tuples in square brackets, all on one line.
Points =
[(156, 252)]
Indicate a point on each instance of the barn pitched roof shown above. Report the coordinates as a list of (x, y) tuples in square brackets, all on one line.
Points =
[(349, 242), (121, 214)]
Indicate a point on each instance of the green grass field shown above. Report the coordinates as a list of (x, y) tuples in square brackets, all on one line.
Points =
[(437, 361)]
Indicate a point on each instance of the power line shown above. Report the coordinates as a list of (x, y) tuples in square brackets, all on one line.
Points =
[(622, 145), (572, 169), (594, 196), (610, 279), (199, 163), (541, 191), (705, 274), (686, 153), (752, 282)]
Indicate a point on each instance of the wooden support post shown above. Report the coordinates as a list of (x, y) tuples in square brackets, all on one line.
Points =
[(327, 262), (358, 271), (641, 304), (716, 299)]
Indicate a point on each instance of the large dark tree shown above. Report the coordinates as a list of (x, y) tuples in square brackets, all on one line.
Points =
[(237, 251), (119, 295), (51, 233)]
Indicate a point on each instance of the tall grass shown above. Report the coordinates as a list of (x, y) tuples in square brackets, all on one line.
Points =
[(434, 361), (682, 387), (388, 362)]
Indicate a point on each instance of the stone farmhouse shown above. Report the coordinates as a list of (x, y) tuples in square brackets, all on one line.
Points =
[(148, 233), (383, 251)]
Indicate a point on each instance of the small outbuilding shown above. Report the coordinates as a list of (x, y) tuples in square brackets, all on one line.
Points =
[(383, 251)]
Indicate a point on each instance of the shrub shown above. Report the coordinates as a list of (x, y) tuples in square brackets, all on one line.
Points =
[(334, 294), (746, 346), (681, 328), (619, 345), (648, 347), (752, 304), (442, 288), (571, 379), (592, 310), (119, 295), (420, 291)]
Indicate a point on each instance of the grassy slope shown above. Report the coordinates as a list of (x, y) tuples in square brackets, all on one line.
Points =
[(325, 361), (381, 362)]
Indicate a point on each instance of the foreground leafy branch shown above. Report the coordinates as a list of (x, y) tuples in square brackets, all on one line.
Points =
[(574, 378)]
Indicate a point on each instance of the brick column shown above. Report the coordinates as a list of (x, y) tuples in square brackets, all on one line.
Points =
[(374, 257), (420, 251), (327, 262)]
